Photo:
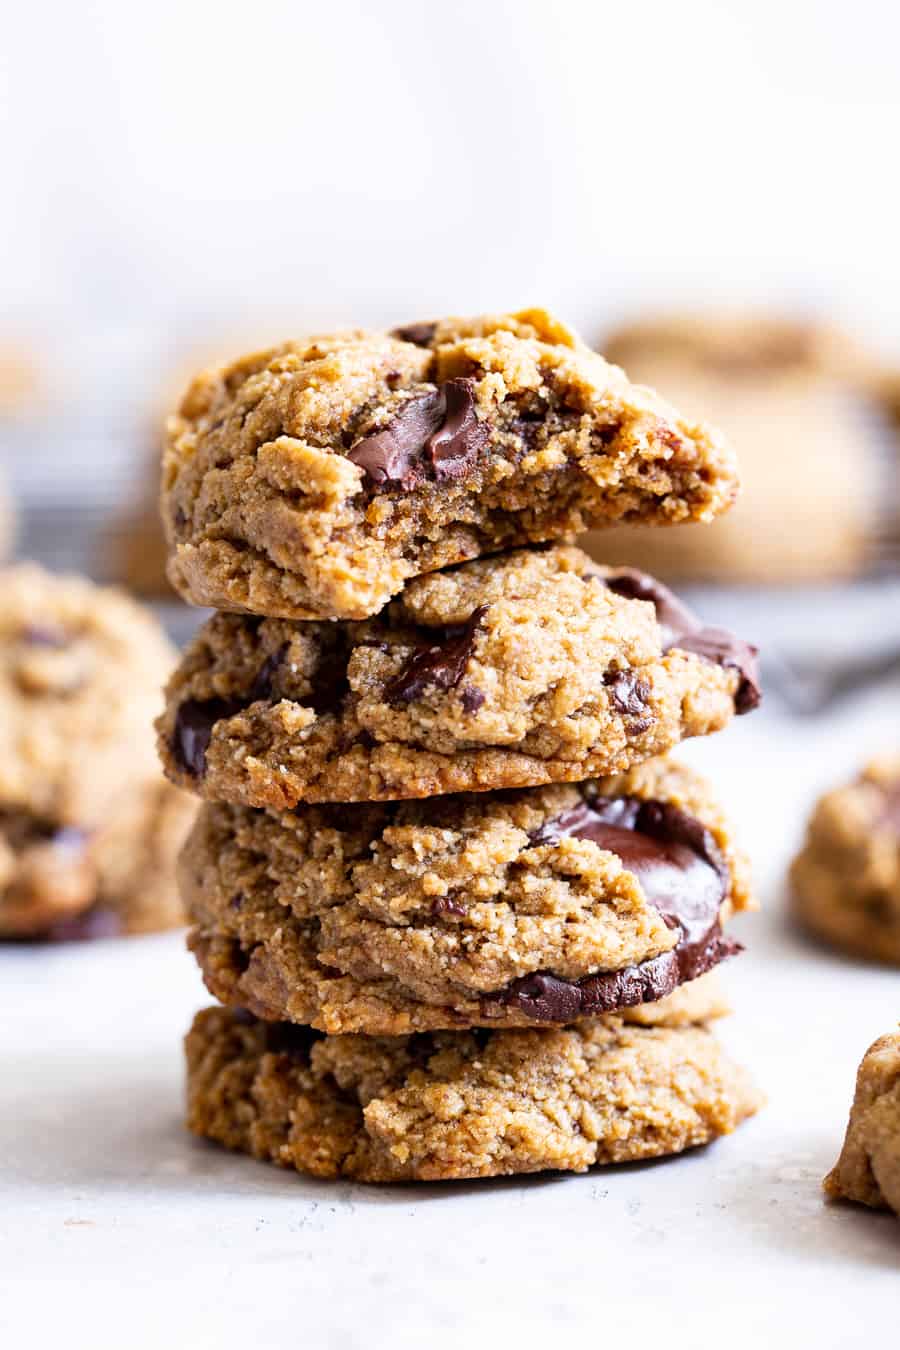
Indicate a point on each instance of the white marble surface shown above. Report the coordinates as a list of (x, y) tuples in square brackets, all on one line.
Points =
[(118, 1228)]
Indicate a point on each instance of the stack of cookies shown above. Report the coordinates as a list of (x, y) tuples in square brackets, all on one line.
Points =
[(460, 908)]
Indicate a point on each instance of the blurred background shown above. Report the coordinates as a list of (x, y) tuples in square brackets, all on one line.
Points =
[(706, 191)]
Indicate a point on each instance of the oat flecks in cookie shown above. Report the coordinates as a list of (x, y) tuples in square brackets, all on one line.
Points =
[(391, 918), (533, 667), (87, 824), (846, 879), (456, 1105), (868, 1170), (313, 480)]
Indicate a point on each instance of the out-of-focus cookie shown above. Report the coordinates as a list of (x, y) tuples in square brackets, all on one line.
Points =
[(7, 521), (868, 1170), (459, 1104), (531, 667), (846, 879), (497, 909), (88, 829), (796, 401)]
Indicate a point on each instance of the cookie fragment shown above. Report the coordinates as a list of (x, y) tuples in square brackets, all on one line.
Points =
[(459, 1104)]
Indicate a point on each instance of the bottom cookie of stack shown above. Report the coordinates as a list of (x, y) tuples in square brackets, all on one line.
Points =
[(451, 1105)]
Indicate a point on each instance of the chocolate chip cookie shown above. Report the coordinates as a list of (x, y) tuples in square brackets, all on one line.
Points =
[(88, 828), (532, 667), (846, 880), (789, 395), (314, 479), (459, 1104), (868, 1170), (502, 909)]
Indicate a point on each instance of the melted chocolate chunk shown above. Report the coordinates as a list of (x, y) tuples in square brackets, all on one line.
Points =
[(629, 694), (681, 629), (194, 723), (437, 431), (457, 444), (683, 875), (724, 649), (419, 334), (441, 663)]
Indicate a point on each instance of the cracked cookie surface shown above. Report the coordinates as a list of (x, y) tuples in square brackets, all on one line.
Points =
[(456, 1105), (545, 904), (87, 825), (533, 667), (846, 879), (314, 479), (868, 1170)]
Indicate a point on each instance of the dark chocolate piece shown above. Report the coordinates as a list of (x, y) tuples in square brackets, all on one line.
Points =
[(419, 334), (438, 430), (682, 629), (629, 694), (724, 649), (448, 904), (194, 723), (441, 663), (682, 873), (472, 698), (458, 442), (264, 686)]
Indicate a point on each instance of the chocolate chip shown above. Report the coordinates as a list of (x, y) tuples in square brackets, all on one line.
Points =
[(629, 694), (682, 629), (683, 875), (420, 334), (472, 698), (459, 441), (237, 901), (448, 904), (438, 430), (724, 649), (194, 724), (441, 663), (289, 1038), (263, 687)]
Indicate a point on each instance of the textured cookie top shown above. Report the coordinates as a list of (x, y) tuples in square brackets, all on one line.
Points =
[(459, 1105), (535, 666), (548, 904), (868, 1170), (80, 675), (312, 480)]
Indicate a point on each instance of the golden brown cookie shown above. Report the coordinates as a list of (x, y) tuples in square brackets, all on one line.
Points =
[(502, 909), (868, 1170), (459, 1104), (846, 879), (314, 479), (796, 401), (531, 667), (87, 825)]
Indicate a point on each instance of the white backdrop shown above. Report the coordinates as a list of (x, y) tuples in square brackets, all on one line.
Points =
[(174, 165)]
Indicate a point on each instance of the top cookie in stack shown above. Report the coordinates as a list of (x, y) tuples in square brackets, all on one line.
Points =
[(312, 481)]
